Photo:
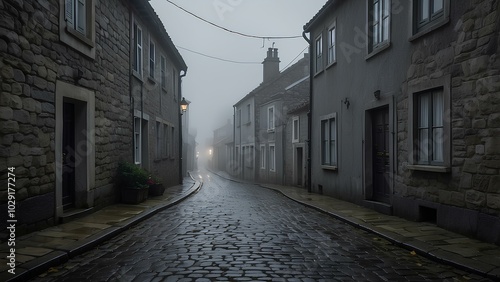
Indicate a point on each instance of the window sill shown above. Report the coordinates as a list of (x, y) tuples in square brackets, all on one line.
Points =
[(331, 64), (270, 130), (329, 167), (432, 26), (295, 141), (319, 72), (80, 37), (247, 123), (378, 49), (151, 80), (137, 75), (430, 168)]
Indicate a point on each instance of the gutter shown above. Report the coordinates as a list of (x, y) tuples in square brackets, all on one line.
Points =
[(309, 115)]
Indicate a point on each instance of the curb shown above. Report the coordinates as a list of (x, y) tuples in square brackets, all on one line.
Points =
[(421, 248), (59, 256)]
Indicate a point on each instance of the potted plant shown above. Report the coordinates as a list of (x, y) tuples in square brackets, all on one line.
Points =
[(132, 181), (155, 186)]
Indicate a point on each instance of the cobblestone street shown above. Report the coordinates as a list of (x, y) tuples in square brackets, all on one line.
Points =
[(240, 232)]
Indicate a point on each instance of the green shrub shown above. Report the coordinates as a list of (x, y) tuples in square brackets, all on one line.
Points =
[(131, 175)]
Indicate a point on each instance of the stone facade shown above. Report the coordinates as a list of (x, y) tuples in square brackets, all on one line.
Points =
[(467, 52), (55, 77), (156, 95), (373, 91)]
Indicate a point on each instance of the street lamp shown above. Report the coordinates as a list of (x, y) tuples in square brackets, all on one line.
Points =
[(184, 105)]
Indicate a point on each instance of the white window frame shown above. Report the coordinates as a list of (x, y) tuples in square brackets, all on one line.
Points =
[(326, 150), (249, 113), (172, 142), (379, 12), (152, 59), (137, 140), (262, 156), (318, 54), (332, 44), (295, 129), (163, 72), (138, 48), (272, 157), (159, 142), (271, 118)]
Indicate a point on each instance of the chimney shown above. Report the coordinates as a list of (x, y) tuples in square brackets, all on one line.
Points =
[(271, 64)]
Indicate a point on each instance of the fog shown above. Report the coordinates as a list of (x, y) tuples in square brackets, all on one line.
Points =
[(213, 86)]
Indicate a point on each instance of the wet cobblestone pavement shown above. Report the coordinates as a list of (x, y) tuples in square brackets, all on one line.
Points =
[(240, 232)]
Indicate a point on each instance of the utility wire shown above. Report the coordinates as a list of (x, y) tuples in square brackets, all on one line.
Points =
[(217, 58), (232, 31), (295, 58)]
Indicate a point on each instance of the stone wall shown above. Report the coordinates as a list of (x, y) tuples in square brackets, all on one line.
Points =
[(33, 59), (467, 50)]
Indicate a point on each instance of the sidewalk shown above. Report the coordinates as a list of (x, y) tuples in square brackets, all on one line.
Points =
[(422, 238), (38, 251)]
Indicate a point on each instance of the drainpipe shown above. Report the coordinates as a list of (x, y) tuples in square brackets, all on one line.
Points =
[(234, 141), (181, 153), (283, 142), (309, 115)]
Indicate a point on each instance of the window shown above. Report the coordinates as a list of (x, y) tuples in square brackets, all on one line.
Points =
[(137, 49), (331, 45), (163, 72), (319, 54), (238, 118), (270, 118), (152, 57), (329, 140), (159, 140), (272, 158), (137, 140), (263, 156), (77, 25), (248, 113), (427, 12), (295, 129), (166, 142), (379, 17), (172, 142), (430, 127), (76, 15), (248, 155)]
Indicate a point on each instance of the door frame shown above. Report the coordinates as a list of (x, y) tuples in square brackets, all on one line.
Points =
[(387, 103), (295, 164), (84, 100)]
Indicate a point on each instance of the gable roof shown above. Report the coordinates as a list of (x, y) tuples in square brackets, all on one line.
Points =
[(263, 86), (319, 15), (148, 15)]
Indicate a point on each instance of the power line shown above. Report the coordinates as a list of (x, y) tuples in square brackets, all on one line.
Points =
[(295, 58), (217, 58), (232, 31)]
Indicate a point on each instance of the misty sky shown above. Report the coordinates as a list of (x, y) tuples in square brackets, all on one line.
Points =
[(214, 86)]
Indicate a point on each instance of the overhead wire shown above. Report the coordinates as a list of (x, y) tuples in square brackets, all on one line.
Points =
[(232, 31), (216, 58), (301, 52)]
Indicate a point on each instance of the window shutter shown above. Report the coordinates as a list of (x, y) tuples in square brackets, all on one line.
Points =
[(70, 13)]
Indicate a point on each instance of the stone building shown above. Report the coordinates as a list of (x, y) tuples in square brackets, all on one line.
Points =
[(405, 109), (261, 116), (66, 107), (296, 146), (222, 149), (156, 72)]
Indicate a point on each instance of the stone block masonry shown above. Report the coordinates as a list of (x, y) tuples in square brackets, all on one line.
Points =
[(33, 61), (471, 57)]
